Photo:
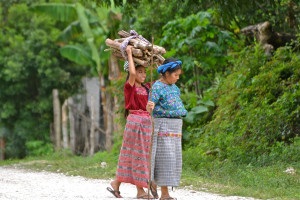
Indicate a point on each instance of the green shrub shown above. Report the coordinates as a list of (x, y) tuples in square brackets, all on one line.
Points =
[(257, 114), (39, 148)]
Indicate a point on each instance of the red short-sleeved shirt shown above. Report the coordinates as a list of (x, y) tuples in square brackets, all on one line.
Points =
[(136, 98)]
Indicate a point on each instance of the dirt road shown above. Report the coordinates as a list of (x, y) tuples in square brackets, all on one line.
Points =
[(20, 184)]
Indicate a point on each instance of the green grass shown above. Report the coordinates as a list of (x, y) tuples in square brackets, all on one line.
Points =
[(64, 162), (263, 182), (267, 182)]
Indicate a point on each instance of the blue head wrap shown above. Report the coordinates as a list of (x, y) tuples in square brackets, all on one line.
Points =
[(163, 68)]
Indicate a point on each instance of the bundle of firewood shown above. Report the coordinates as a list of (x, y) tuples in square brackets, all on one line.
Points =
[(142, 51)]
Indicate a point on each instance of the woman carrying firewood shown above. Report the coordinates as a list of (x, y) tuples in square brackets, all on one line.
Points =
[(168, 109), (134, 155)]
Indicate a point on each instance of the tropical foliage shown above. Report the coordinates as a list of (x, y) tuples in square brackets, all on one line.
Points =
[(243, 105), (257, 109), (30, 67)]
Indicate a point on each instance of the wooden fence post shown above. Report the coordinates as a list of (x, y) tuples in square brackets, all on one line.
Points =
[(2, 147), (109, 121), (72, 125), (64, 123), (92, 133), (57, 121)]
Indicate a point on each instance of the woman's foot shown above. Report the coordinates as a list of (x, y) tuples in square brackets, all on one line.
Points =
[(115, 184), (153, 189), (167, 198), (144, 197), (141, 194), (165, 194)]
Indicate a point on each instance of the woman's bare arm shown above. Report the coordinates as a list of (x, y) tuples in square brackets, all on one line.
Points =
[(132, 71)]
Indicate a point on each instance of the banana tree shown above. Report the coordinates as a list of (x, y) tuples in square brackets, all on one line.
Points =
[(93, 25), (80, 19)]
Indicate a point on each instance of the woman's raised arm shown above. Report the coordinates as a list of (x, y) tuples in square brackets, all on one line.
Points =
[(132, 71)]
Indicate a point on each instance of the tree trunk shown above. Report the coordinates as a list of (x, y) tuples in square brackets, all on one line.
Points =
[(2, 149), (111, 106), (114, 68), (291, 16), (64, 123), (92, 133), (117, 126), (57, 120), (52, 135), (72, 125), (85, 133), (103, 104), (114, 74), (109, 120), (267, 37)]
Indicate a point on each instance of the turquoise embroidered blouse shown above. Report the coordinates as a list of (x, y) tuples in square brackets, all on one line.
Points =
[(167, 101)]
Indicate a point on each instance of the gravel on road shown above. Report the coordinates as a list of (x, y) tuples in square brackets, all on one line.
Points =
[(22, 184)]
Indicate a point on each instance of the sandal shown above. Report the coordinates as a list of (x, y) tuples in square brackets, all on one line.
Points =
[(153, 191), (144, 197), (168, 198), (115, 193)]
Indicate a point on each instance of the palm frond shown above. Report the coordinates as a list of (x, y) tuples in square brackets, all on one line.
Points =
[(70, 32), (88, 34), (58, 11), (77, 54)]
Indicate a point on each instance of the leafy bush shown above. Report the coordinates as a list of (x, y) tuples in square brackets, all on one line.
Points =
[(39, 148), (201, 45), (30, 67), (257, 108)]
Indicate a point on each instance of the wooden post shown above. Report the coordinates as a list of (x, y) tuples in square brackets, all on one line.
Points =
[(64, 123), (2, 149), (92, 133), (85, 133), (72, 125), (109, 121), (52, 136), (103, 104), (57, 121)]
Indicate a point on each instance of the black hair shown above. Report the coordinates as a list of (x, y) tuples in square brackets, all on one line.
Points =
[(168, 60), (126, 113)]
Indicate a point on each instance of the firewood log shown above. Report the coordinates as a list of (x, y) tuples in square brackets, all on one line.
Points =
[(141, 62), (118, 54), (112, 43), (137, 52), (138, 44), (142, 50), (120, 40), (123, 34), (116, 46)]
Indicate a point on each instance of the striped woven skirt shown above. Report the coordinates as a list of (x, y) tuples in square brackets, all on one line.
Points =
[(166, 159), (133, 164)]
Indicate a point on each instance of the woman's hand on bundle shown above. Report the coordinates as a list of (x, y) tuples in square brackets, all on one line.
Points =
[(150, 106), (129, 49)]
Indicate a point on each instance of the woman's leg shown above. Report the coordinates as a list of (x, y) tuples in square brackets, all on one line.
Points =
[(115, 184), (164, 193)]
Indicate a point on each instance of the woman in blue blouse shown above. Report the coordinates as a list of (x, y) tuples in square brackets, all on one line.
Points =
[(167, 107)]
